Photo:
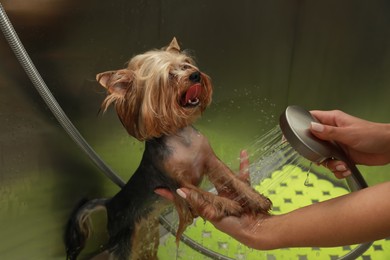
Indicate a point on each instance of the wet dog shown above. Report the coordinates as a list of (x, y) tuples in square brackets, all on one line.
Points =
[(157, 98)]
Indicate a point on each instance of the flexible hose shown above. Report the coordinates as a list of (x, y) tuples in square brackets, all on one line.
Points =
[(30, 69)]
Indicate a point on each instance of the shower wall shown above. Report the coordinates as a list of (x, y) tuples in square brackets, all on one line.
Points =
[(262, 56)]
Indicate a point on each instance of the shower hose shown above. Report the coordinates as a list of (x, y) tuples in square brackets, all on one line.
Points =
[(40, 85)]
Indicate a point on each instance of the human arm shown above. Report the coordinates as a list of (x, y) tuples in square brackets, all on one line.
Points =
[(363, 141), (357, 217), (350, 219)]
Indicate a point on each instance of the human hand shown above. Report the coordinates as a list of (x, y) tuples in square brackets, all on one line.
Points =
[(363, 141), (244, 228)]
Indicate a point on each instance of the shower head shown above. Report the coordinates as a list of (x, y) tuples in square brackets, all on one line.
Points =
[(295, 125)]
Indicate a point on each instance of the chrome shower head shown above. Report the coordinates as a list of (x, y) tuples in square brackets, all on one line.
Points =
[(295, 125)]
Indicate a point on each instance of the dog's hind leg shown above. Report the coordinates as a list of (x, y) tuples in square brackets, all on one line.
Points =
[(145, 239), (78, 227)]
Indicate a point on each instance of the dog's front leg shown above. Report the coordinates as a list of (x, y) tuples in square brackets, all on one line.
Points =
[(229, 185)]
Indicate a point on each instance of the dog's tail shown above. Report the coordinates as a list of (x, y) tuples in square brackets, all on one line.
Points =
[(78, 228)]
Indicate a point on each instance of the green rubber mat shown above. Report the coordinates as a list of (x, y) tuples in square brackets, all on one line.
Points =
[(288, 188)]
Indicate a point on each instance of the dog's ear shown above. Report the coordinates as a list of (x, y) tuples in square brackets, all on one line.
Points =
[(116, 82), (173, 46)]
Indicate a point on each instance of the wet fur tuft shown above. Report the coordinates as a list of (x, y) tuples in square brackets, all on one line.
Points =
[(78, 228)]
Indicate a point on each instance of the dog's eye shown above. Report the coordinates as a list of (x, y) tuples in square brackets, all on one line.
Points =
[(172, 75), (185, 67)]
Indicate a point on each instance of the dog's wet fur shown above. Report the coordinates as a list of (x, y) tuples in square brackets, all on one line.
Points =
[(157, 98)]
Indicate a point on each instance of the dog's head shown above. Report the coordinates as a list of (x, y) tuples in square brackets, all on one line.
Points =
[(160, 92)]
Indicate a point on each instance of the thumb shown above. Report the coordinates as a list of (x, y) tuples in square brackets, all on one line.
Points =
[(326, 132)]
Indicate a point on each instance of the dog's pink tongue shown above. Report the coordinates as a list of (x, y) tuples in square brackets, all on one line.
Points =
[(192, 93)]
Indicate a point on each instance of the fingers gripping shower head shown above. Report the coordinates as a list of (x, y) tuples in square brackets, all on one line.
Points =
[(295, 125)]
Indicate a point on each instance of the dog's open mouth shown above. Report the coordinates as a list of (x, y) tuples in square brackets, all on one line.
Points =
[(190, 98)]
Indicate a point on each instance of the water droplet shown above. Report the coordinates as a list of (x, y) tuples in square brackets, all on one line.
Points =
[(307, 182)]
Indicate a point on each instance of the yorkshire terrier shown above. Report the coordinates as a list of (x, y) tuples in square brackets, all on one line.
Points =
[(157, 98)]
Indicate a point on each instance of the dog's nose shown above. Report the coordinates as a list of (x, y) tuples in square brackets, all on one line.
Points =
[(195, 77)]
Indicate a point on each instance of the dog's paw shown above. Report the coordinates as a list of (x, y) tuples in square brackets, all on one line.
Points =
[(257, 202), (226, 207), (213, 207), (247, 197)]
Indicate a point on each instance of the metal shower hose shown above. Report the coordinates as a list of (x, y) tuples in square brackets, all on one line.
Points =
[(40, 85)]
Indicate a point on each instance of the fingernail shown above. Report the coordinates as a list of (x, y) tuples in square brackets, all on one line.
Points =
[(181, 193), (347, 173), (244, 154), (341, 168), (317, 127)]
